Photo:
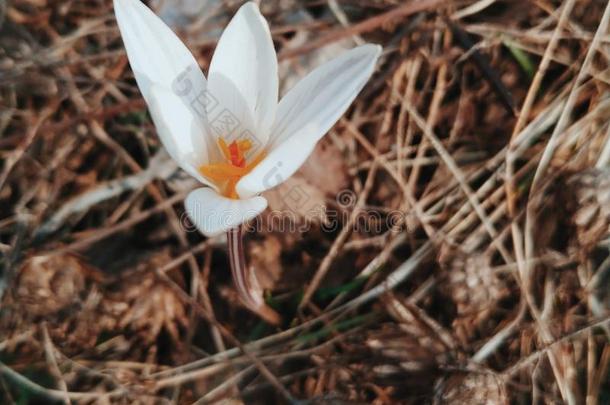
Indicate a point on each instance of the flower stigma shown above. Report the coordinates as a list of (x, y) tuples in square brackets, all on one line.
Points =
[(227, 174)]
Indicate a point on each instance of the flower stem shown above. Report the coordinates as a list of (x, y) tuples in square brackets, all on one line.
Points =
[(245, 279)]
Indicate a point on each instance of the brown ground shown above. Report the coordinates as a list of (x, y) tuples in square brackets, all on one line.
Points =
[(474, 164)]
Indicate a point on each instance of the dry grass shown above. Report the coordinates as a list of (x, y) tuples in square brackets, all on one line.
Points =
[(486, 127)]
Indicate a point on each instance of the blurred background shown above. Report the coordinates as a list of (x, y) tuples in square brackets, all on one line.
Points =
[(458, 252)]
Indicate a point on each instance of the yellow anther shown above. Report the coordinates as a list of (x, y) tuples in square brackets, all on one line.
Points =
[(222, 171), (224, 148), (244, 145), (227, 174)]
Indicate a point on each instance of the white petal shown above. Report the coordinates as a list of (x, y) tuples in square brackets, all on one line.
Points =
[(280, 163), (324, 94), (180, 132), (243, 77), (306, 113), (158, 57), (214, 214), (155, 53)]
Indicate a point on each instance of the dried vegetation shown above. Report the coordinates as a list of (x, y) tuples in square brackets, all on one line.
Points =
[(470, 183)]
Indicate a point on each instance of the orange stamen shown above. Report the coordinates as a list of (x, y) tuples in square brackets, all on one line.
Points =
[(230, 188), (224, 148), (220, 171), (227, 174), (245, 145)]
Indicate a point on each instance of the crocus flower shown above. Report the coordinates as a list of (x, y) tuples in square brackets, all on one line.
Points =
[(229, 131)]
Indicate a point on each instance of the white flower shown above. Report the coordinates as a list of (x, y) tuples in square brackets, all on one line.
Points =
[(229, 131)]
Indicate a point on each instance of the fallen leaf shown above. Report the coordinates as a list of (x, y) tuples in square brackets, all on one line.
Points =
[(295, 201)]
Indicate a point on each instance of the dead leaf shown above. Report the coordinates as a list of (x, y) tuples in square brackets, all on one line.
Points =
[(325, 169), (303, 196), (148, 305), (265, 259), (294, 201), (47, 283)]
